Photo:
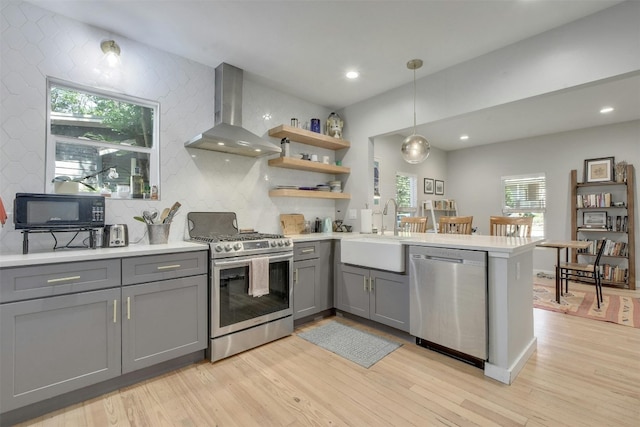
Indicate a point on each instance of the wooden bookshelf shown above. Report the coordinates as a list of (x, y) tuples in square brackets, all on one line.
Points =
[(626, 190)]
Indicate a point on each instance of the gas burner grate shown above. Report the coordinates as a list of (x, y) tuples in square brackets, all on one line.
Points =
[(236, 237)]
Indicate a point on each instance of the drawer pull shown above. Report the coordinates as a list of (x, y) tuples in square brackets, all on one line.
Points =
[(63, 279), (167, 267), (115, 310), (308, 250), (128, 308), (364, 281)]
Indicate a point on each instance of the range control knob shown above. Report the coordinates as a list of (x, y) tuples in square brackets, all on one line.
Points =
[(227, 247), (287, 242), (218, 248), (273, 244), (237, 246), (280, 243)]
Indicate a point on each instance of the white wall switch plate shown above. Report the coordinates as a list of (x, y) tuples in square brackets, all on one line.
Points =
[(353, 214)]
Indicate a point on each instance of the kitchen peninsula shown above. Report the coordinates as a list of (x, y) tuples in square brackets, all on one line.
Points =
[(510, 282)]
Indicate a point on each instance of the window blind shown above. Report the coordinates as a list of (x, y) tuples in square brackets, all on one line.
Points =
[(524, 193)]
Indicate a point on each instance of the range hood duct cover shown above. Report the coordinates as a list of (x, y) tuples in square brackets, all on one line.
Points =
[(227, 134)]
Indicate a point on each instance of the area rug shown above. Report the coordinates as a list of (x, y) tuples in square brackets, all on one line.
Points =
[(360, 347), (616, 309)]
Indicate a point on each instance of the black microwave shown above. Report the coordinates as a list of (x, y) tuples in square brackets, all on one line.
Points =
[(33, 211)]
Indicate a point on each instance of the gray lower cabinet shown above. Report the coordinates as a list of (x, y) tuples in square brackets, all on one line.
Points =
[(163, 320), (373, 294), (67, 326), (50, 346), (312, 278)]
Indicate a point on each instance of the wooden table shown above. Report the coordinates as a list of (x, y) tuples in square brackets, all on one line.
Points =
[(566, 245)]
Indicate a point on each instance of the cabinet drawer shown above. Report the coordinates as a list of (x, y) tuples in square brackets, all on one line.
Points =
[(161, 267), (305, 250), (22, 283)]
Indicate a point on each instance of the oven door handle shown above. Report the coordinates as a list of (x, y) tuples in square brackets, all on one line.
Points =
[(246, 260)]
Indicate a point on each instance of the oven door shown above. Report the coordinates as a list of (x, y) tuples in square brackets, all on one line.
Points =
[(233, 309)]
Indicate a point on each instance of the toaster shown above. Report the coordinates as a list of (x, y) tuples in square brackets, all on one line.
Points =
[(115, 235)]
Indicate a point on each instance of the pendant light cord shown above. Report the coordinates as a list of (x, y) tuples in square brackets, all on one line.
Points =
[(414, 101)]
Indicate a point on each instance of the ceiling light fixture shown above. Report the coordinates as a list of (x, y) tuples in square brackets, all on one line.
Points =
[(111, 52), (606, 110), (415, 148), (464, 137), (352, 75)]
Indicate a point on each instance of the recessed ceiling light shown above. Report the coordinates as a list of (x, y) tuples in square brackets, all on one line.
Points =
[(220, 143), (464, 137), (352, 74), (266, 116), (606, 110)]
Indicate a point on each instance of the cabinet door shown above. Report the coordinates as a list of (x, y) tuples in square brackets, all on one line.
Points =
[(324, 286), (306, 277), (55, 345), (390, 299), (163, 320), (353, 290)]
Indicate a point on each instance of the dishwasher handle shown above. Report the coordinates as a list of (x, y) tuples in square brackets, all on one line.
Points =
[(442, 259)]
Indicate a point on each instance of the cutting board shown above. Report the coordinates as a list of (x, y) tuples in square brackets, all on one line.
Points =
[(292, 224)]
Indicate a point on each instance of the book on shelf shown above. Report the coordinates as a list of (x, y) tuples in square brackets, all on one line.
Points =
[(598, 200), (612, 248)]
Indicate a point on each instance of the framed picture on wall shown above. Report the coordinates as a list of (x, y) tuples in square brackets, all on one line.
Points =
[(439, 187), (598, 170), (428, 186)]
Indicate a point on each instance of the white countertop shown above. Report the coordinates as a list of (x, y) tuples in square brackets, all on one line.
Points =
[(473, 242), (459, 241), (70, 255)]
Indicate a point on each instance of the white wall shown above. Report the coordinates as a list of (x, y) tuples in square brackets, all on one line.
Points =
[(387, 152), (600, 46), (473, 175), (37, 43)]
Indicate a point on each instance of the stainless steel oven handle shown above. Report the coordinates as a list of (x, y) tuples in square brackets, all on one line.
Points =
[(246, 260)]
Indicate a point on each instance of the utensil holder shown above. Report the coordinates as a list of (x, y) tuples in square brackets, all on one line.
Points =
[(158, 233)]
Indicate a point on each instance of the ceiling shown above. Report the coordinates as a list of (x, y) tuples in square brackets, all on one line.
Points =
[(304, 48)]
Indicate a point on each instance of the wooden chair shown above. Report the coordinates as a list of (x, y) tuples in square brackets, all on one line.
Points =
[(455, 224), (580, 272), (510, 226), (415, 224)]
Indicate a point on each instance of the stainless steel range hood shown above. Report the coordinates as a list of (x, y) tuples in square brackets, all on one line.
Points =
[(227, 134)]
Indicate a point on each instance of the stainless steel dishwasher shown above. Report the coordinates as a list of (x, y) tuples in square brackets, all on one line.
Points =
[(448, 308)]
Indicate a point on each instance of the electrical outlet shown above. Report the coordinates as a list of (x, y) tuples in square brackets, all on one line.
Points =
[(353, 214)]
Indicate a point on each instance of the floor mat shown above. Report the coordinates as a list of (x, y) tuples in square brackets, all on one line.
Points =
[(360, 347)]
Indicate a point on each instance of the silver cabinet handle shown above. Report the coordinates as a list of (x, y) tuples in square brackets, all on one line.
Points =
[(370, 284), (307, 250), (63, 279), (295, 276), (167, 267), (128, 308), (364, 282), (115, 310)]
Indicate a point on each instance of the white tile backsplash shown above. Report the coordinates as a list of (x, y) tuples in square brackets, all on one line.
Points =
[(37, 43)]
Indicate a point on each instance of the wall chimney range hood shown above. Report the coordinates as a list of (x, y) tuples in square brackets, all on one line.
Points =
[(227, 134)]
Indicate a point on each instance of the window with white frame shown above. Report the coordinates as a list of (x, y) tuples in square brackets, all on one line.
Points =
[(525, 195), (98, 138), (406, 193)]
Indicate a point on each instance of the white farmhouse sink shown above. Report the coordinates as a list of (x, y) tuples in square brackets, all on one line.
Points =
[(380, 252)]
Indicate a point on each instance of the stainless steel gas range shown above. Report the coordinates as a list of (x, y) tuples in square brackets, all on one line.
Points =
[(251, 292)]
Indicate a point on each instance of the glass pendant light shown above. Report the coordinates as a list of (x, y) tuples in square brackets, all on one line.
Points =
[(415, 148)]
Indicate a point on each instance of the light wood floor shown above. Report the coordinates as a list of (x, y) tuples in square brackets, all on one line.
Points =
[(584, 373)]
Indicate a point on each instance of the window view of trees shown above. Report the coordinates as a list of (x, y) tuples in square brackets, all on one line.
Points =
[(100, 140)]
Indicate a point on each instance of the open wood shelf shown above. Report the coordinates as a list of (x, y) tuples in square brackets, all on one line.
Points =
[(309, 194), (309, 138), (307, 165)]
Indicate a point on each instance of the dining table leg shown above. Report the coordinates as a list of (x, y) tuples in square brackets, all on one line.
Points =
[(558, 282)]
